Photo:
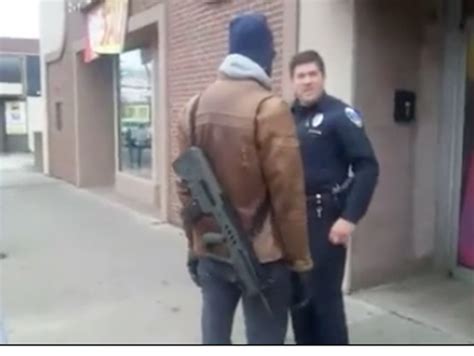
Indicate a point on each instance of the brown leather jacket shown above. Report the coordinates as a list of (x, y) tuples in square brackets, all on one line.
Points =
[(249, 136)]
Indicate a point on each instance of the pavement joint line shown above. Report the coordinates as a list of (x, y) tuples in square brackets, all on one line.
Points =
[(28, 185), (154, 221), (384, 311), (423, 324), (123, 206)]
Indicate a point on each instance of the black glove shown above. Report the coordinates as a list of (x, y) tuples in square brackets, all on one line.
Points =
[(192, 264), (302, 291)]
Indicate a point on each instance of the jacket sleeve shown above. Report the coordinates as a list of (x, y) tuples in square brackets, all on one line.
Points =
[(282, 168), (360, 154)]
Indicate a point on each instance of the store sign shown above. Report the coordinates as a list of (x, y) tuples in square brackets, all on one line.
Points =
[(15, 118), (106, 28)]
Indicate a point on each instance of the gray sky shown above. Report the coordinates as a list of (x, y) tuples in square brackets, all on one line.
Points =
[(19, 18)]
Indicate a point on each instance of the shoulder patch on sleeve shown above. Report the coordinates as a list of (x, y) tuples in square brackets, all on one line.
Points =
[(354, 116)]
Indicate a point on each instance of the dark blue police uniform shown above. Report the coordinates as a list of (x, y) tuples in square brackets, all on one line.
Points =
[(341, 173)]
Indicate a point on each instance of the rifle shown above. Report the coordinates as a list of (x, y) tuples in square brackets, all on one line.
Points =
[(207, 196)]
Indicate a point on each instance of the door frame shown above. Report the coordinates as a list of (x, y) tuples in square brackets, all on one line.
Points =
[(451, 135), (460, 272)]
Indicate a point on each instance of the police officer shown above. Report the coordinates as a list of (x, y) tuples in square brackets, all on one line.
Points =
[(341, 173)]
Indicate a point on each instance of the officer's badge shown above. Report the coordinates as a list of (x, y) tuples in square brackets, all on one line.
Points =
[(317, 120), (354, 116)]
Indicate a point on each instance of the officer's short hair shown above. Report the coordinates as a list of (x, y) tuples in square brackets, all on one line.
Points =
[(306, 57)]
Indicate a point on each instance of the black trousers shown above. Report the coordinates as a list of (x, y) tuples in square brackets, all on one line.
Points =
[(323, 321)]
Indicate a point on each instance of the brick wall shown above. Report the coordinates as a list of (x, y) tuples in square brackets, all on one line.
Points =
[(197, 43)]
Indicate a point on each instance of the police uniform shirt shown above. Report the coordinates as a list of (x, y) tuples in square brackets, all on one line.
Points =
[(333, 143)]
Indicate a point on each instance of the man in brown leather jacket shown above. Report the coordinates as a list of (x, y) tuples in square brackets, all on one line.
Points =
[(249, 137)]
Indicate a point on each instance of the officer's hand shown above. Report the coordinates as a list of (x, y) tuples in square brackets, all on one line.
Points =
[(341, 232)]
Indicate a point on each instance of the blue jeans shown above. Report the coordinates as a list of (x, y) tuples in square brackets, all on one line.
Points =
[(221, 295)]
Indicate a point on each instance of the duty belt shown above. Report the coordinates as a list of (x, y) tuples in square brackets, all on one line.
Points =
[(333, 193)]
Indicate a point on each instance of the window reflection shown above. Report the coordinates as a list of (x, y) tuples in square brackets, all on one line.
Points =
[(135, 114)]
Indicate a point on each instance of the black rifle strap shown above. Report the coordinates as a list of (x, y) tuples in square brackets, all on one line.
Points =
[(192, 120), (188, 212)]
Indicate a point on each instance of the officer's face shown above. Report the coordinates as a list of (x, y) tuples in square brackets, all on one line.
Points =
[(308, 83)]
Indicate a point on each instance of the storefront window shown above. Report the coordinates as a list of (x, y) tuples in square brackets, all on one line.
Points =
[(11, 69), (135, 112), (11, 75)]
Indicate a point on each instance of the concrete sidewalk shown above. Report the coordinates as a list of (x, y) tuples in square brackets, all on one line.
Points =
[(82, 269)]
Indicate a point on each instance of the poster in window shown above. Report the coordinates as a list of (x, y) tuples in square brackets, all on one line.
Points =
[(15, 118)]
